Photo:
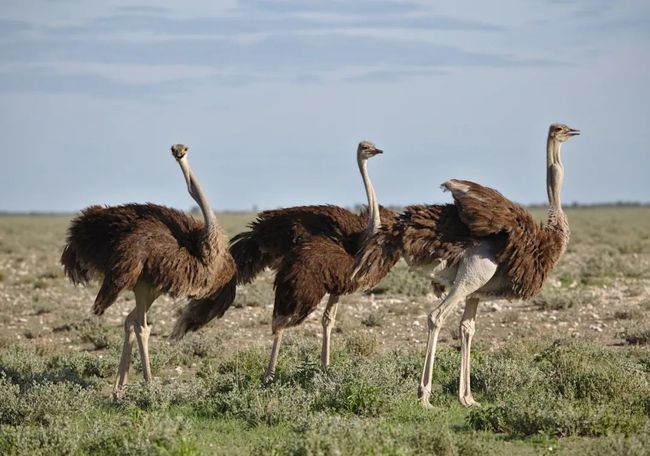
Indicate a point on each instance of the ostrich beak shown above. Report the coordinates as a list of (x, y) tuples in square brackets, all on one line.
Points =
[(377, 152), (573, 132)]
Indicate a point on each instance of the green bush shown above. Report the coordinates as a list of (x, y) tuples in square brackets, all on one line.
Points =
[(549, 414), (638, 334), (40, 403), (362, 343), (568, 389)]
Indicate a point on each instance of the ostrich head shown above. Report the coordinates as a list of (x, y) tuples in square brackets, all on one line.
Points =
[(560, 132), (366, 150), (179, 151)]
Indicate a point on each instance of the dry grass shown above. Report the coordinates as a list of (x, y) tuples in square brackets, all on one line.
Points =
[(57, 362)]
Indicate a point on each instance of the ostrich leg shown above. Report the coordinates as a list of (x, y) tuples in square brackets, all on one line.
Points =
[(329, 317), (270, 371), (435, 320), (467, 329), (144, 297), (125, 360), (475, 270)]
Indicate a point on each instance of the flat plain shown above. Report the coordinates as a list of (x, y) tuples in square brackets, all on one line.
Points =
[(565, 373)]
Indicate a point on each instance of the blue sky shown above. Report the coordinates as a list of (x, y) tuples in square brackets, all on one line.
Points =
[(273, 96)]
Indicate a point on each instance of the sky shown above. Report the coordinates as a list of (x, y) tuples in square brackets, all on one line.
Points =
[(272, 98)]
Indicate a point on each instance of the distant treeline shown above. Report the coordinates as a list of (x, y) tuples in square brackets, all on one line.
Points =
[(357, 207)]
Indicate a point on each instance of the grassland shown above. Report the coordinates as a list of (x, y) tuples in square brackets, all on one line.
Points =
[(567, 373)]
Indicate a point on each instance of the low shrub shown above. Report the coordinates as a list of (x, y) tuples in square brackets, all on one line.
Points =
[(570, 388), (638, 334)]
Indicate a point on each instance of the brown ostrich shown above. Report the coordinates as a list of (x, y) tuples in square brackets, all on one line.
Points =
[(312, 250), (482, 247), (151, 250)]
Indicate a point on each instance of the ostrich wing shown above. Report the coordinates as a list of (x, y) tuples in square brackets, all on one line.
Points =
[(425, 234), (528, 250), (277, 231), (485, 211), (309, 271)]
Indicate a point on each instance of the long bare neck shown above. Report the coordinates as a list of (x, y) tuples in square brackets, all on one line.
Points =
[(196, 191), (373, 206), (554, 178)]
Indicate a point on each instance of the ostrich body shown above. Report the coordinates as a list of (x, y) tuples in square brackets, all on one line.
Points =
[(482, 247), (311, 249), (152, 250)]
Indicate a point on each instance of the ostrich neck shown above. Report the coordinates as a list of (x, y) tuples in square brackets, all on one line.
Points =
[(199, 196), (373, 207), (554, 178)]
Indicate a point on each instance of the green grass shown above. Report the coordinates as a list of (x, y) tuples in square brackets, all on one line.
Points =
[(534, 397), (539, 396)]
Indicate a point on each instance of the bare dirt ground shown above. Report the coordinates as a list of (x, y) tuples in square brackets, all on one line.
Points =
[(599, 291)]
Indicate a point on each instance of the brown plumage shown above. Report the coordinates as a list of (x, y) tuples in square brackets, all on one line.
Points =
[(315, 262), (484, 245), (160, 245), (311, 249), (423, 233), (526, 250), (151, 250), (273, 238)]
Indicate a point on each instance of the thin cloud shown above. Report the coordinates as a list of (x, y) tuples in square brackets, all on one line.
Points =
[(371, 7), (86, 84)]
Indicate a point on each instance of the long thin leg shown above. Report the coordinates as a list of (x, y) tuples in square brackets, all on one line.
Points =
[(435, 320), (144, 297), (125, 360), (270, 371), (467, 329), (475, 270), (329, 317)]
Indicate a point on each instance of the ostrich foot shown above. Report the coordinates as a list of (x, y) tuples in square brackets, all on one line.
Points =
[(116, 395), (468, 401), (268, 378), (424, 395), (324, 363)]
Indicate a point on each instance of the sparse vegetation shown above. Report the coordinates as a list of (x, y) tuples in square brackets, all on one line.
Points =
[(638, 334), (364, 404), (374, 319), (568, 374)]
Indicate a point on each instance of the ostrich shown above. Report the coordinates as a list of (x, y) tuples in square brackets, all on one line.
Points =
[(483, 246), (151, 250), (312, 250)]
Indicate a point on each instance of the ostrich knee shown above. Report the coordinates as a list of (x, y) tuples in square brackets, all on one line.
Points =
[(328, 319), (435, 320), (467, 329)]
